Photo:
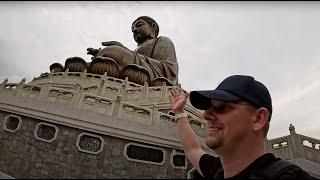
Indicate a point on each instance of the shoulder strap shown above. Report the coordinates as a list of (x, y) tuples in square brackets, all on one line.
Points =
[(274, 169)]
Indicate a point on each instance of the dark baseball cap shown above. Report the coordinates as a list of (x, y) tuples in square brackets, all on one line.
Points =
[(234, 88)]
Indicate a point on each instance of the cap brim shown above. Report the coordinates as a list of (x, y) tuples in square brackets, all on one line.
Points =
[(202, 99)]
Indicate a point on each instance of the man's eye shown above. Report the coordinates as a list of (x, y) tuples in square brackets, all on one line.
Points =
[(220, 108)]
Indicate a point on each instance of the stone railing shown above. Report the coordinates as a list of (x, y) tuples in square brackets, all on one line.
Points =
[(31, 90), (146, 93), (198, 126), (281, 147), (81, 76), (166, 120), (310, 148), (295, 146), (96, 104), (10, 88), (106, 86), (310, 142), (115, 105), (134, 112), (278, 143)]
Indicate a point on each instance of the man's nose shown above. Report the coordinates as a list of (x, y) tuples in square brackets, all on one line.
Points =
[(209, 115)]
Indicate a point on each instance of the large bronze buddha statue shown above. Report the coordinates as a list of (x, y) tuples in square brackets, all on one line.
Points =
[(153, 61)]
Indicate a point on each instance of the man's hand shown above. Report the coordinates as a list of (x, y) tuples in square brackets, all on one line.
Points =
[(178, 100), (109, 43)]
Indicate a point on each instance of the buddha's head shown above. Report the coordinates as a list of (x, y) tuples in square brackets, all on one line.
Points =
[(144, 28)]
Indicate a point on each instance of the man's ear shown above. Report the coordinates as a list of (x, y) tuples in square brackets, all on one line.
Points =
[(261, 119)]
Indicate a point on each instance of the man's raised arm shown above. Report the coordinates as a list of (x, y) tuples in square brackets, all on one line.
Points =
[(188, 138)]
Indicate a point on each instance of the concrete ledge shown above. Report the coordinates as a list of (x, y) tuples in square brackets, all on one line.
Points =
[(311, 167), (5, 176)]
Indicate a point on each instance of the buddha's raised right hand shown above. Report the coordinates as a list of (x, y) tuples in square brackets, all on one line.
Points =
[(93, 51), (109, 43)]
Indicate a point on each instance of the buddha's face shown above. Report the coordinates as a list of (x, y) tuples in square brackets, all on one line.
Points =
[(142, 31)]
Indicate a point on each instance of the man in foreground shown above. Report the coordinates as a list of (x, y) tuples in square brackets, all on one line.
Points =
[(238, 112)]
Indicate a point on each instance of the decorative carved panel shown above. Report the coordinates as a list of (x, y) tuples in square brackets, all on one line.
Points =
[(46, 132), (143, 153)]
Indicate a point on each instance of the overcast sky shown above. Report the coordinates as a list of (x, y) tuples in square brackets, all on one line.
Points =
[(276, 42)]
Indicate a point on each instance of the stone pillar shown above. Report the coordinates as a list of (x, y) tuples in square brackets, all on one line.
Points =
[(145, 91), (101, 87), (83, 74), (44, 91), (78, 96), (116, 106), (292, 129), (20, 86), (3, 84), (295, 143), (155, 115), (65, 74), (125, 82), (164, 90), (123, 87), (179, 85), (51, 75)]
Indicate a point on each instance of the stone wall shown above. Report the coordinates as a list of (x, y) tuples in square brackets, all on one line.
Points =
[(24, 156), (145, 108)]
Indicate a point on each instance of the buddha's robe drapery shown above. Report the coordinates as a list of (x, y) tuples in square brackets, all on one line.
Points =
[(158, 56)]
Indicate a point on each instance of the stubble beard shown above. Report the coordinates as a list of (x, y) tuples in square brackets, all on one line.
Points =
[(214, 142)]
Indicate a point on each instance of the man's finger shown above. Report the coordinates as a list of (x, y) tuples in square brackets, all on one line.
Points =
[(171, 93), (174, 92)]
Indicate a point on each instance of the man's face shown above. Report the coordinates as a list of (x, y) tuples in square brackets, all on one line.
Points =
[(229, 123), (141, 31)]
